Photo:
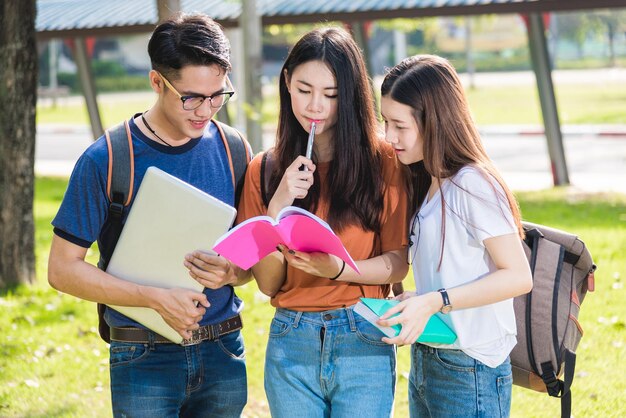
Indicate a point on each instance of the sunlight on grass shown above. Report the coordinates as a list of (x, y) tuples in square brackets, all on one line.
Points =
[(577, 104), (111, 112), (53, 364)]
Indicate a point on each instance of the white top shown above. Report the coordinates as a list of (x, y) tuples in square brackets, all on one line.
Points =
[(476, 209)]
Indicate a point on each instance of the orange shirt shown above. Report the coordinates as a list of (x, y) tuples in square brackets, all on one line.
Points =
[(305, 292)]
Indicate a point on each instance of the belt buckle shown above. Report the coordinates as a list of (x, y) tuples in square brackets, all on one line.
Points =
[(197, 336)]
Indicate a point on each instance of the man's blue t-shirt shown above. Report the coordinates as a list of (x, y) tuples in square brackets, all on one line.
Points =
[(201, 162)]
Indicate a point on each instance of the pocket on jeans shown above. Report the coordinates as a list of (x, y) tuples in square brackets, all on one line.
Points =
[(455, 360), (369, 333), (232, 345), (279, 328), (121, 354), (504, 384)]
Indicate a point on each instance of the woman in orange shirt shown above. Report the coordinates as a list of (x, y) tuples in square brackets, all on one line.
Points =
[(321, 357)]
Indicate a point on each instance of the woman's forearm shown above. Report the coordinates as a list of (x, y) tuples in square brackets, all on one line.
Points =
[(389, 267), (270, 273)]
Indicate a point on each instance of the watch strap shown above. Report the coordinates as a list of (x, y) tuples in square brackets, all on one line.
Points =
[(447, 306)]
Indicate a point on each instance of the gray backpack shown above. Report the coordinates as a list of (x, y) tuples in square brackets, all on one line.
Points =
[(548, 330)]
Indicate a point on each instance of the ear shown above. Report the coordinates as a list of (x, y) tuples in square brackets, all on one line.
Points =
[(155, 81)]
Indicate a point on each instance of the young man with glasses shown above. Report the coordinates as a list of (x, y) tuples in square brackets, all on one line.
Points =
[(151, 377)]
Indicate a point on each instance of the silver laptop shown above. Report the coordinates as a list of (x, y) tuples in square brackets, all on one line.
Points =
[(168, 220)]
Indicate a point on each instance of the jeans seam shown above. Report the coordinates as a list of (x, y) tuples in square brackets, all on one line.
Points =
[(453, 366), (167, 370), (132, 360), (321, 371), (500, 382), (228, 352), (367, 340), (286, 328)]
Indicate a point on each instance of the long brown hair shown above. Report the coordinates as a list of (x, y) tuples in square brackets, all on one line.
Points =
[(430, 85), (355, 178)]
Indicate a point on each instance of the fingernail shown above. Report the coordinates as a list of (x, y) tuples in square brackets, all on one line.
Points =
[(278, 248)]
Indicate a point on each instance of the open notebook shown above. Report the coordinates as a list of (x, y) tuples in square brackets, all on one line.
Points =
[(168, 219)]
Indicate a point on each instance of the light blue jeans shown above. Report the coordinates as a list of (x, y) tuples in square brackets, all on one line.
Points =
[(328, 364), (449, 383), (168, 380)]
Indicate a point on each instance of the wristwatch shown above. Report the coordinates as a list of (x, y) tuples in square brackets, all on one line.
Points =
[(447, 306)]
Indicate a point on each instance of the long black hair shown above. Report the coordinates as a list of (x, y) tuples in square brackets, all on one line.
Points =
[(355, 184)]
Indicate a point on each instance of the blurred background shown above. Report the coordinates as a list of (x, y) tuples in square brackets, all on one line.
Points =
[(546, 82)]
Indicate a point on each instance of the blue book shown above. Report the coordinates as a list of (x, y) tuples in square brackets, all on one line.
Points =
[(436, 330)]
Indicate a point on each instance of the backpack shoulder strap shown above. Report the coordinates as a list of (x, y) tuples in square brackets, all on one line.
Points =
[(120, 179), (121, 168), (119, 189), (267, 165), (238, 152)]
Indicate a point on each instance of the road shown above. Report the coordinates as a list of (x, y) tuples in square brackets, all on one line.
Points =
[(595, 163)]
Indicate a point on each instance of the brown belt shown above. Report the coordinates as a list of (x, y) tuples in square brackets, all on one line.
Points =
[(204, 333)]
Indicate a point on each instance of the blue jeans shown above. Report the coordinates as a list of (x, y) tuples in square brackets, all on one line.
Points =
[(331, 363), (449, 383), (169, 380)]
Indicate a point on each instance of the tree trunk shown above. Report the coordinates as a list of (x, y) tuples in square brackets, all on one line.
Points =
[(610, 34), (18, 99)]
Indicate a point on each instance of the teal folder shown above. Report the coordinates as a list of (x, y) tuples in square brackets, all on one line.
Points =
[(436, 330)]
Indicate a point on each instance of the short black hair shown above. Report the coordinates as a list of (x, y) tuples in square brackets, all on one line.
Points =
[(188, 39)]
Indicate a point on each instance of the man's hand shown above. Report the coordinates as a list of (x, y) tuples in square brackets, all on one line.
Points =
[(209, 270), (182, 309)]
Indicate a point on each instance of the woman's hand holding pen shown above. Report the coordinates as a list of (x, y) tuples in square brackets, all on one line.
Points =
[(414, 311), (295, 184)]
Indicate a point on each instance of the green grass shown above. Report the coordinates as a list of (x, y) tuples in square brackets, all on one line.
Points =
[(577, 104), (110, 112), (53, 364)]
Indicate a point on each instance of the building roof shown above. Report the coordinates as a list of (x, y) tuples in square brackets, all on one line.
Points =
[(71, 18)]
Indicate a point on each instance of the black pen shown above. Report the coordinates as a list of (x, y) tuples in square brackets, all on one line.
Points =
[(309, 145)]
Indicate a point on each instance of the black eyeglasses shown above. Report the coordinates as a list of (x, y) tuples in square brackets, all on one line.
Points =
[(413, 232), (216, 100)]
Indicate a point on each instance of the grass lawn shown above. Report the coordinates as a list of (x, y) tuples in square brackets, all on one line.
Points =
[(111, 112), (578, 104), (53, 364)]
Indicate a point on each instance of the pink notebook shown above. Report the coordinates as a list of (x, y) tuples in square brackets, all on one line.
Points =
[(250, 241)]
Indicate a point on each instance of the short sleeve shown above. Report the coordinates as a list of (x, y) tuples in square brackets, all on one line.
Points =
[(84, 207), (394, 228), (251, 202), (482, 203)]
